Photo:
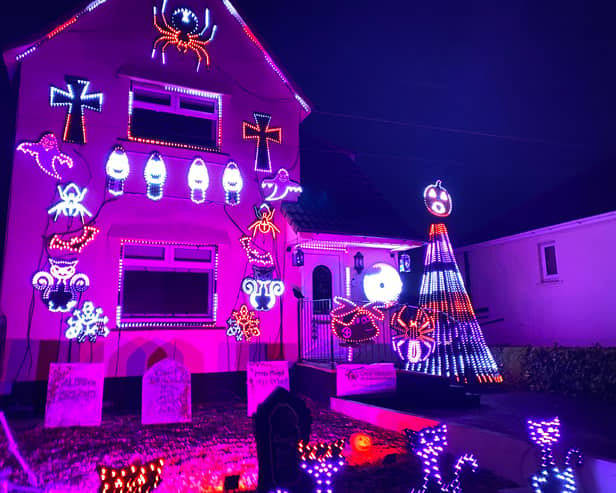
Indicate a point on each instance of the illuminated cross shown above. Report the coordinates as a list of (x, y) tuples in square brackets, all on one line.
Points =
[(263, 134), (78, 100)]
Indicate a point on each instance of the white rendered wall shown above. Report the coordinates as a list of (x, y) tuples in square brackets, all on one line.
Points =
[(578, 309)]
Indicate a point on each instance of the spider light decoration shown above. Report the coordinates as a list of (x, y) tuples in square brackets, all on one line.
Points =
[(429, 444), (136, 478), (264, 223), (243, 324), (184, 32), (354, 324), (550, 478), (322, 461), (70, 202), (88, 322), (61, 285), (414, 342)]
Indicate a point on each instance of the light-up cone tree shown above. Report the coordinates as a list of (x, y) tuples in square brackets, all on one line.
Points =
[(460, 350)]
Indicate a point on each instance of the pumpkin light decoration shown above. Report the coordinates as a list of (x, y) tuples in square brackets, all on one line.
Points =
[(361, 442), (437, 199)]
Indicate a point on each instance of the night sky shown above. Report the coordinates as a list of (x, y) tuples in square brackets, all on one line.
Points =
[(510, 105)]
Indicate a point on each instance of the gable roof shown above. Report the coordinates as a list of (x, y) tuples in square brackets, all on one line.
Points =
[(338, 198), (12, 57)]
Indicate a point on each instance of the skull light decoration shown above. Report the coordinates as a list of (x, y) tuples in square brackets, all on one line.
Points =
[(232, 183), (437, 199), (117, 170), (198, 180), (155, 174)]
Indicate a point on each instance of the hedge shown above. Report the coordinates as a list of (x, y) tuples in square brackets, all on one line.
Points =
[(573, 371)]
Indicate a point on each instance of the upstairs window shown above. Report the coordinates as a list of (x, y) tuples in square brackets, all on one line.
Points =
[(174, 116), (167, 285), (549, 267)]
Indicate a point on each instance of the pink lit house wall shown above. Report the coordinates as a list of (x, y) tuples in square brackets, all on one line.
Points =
[(547, 286), (110, 45)]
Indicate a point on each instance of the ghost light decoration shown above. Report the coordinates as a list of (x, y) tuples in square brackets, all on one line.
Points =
[(47, 155), (117, 170), (198, 180), (281, 187), (437, 199), (61, 285), (382, 283), (155, 174), (232, 183)]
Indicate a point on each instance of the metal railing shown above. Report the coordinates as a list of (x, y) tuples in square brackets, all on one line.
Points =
[(318, 344)]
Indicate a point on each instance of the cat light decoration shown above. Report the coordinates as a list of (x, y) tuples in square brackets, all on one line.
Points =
[(262, 289), (155, 174), (117, 169), (87, 322), (322, 461), (60, 286), (429, 444), (198, 180), (550, 479), (232, 183)]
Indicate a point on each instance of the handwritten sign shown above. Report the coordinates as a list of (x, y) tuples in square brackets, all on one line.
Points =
[(74, 395), (166, 394), (262, 378), (365, 379)]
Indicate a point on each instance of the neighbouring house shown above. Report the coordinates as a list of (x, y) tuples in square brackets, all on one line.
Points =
[(553, 285), (153, 152)]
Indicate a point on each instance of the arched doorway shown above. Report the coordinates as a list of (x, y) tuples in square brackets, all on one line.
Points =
[(322, 289)]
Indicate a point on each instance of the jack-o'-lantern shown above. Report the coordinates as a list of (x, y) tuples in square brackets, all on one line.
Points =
[(437, 199), (361, 442)]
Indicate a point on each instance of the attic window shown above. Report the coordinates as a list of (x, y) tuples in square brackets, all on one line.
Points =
[(174, 116), (549, 268)]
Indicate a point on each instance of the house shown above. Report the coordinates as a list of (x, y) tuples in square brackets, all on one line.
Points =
[(552, 285), (154, 148)]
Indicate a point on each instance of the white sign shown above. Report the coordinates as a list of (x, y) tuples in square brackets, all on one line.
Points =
[(166, 394), (74, 395), (365, 379), (262, 378)]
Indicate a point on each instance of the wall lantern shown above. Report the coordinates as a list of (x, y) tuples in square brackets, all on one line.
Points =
[(358, 262), (404, 262), (297, 258)]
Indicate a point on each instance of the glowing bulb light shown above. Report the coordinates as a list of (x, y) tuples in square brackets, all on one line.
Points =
[(117, 169), (155, 174), (198, 180), (232, 183)]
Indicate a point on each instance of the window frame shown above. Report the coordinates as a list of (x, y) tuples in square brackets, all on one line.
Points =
[(168, 263), (177, 94), (545, 277)]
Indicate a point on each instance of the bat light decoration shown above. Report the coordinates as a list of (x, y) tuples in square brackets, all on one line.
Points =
[(76, 243), (281, 187), (47, 155)]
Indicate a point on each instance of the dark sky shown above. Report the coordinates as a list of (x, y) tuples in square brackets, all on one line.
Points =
[(511, 104)]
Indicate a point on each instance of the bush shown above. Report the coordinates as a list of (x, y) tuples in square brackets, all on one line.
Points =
[(578, 371)]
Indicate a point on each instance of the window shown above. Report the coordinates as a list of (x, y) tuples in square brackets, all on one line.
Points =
[(167, 285), (174, 116), (549, 267)]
